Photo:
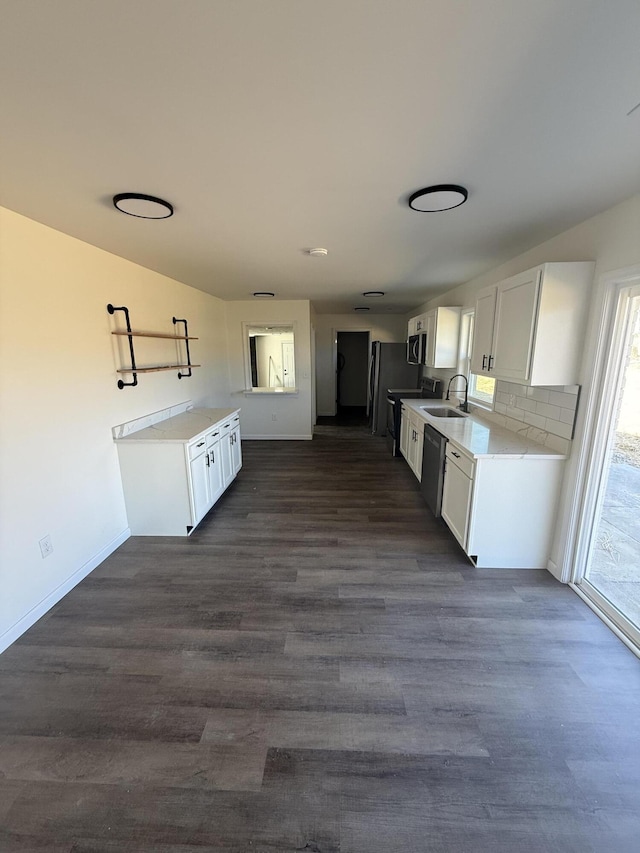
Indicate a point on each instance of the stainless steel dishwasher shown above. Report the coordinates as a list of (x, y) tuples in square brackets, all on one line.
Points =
[(433, 453)]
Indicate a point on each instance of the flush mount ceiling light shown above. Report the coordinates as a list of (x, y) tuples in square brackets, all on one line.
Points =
[(362, 308), (142, 206), (437, 198), (263, 294), (317, 253), (372, 293)]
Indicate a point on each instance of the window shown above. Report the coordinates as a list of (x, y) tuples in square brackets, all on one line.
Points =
[(481, 388), (269, 351)]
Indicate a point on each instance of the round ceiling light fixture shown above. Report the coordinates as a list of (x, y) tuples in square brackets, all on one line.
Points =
[(318, 253), (362, 308), (263, 294), (372, 293), (437, 198), (142, 206)]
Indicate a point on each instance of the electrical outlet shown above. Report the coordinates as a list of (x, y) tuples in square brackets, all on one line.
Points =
[(274, 417), (512, 399), (46, 547)]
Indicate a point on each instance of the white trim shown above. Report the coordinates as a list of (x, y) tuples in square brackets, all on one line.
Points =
[(579, 464), (600, 611), (267, 392), (554, 570), (276, 437), (59, 592)]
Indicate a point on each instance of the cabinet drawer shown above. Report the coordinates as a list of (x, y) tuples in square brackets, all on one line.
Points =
[(213, 437), (464, 462), (197, 447), (225, 427)]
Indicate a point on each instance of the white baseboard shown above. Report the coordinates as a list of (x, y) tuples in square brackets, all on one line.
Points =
[(59, 592), (277, 437), (555, 571)]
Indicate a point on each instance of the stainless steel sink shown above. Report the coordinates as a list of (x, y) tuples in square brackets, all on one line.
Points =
[(442, 412)]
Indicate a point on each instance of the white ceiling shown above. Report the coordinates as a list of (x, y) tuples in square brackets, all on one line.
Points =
[(279, 125)]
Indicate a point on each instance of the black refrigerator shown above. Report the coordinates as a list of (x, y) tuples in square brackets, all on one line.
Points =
[(388, 368)]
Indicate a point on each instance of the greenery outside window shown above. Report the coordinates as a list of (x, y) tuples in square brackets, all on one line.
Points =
[(481, 388)]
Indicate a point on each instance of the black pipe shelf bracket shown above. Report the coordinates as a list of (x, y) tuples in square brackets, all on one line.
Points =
[(131, 334)]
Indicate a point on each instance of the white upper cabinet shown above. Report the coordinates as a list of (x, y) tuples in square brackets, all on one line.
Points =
[(529, 328), (416, 325), (442, 330)]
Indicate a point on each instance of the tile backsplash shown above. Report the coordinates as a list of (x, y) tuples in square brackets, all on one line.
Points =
[(544, 414), (136, 424)]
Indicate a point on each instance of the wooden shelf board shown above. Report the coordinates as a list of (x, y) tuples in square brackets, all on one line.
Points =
[(157, 369), (155, 335)]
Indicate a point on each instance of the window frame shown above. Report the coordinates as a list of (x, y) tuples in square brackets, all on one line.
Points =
[(465, 345)]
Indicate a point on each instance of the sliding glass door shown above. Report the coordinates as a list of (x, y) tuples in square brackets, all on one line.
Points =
[(610, 571)]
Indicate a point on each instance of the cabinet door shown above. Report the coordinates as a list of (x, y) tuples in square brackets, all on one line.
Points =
[(405, 434), (200, 488), (215, 472), (516, 311), (456, 501), (483, 331), (430, 349), (419, 442), (226, 460), (236, 451)]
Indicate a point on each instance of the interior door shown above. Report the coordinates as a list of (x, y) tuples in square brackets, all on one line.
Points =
[(288, 366)]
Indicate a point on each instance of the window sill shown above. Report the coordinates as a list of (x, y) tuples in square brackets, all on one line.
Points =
[(276, 392)]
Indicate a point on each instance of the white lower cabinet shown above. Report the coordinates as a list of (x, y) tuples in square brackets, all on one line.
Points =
[(412, 440), (502, 509), (170, 485), (200, 484), (456, 495)]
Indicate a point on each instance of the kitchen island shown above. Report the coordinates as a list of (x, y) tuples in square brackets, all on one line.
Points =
[(176, 469)]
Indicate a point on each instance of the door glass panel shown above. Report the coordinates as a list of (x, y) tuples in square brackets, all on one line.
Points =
[(614, 560)]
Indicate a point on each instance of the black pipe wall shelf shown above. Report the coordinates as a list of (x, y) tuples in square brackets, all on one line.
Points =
[(130, 334)]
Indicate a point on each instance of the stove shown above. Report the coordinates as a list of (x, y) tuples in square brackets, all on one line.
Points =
[(429, 387)]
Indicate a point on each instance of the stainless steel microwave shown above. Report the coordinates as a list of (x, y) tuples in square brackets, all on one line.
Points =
[(416, 346)]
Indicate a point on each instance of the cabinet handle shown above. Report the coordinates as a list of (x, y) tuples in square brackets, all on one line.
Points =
[(484, 362), (226, 426), (490, 360), (236, 419), (457, 455), (208, 461), (213, 458), (200, 445), (216, 433)]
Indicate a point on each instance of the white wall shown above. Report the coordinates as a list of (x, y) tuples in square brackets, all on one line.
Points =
[(612, 240), (293, 413), (390, 329), (59, 471)]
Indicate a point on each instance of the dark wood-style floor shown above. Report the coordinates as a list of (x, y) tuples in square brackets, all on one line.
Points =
[(318, 669)]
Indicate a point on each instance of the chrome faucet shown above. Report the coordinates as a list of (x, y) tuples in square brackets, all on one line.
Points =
[(464, 407)]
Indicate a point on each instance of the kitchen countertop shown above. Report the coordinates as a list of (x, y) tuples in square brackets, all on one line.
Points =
[(180, 428), (479, 437)]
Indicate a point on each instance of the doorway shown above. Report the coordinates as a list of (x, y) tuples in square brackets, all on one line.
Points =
[(352, 372), (608, 564)]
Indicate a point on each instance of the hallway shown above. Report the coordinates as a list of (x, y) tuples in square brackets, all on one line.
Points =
[(318, 668)]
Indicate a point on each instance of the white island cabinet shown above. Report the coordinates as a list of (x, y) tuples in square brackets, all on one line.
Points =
[(174, 471)]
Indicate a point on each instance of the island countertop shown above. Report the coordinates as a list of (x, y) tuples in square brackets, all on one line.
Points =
[(181, 428), (478, 437)]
